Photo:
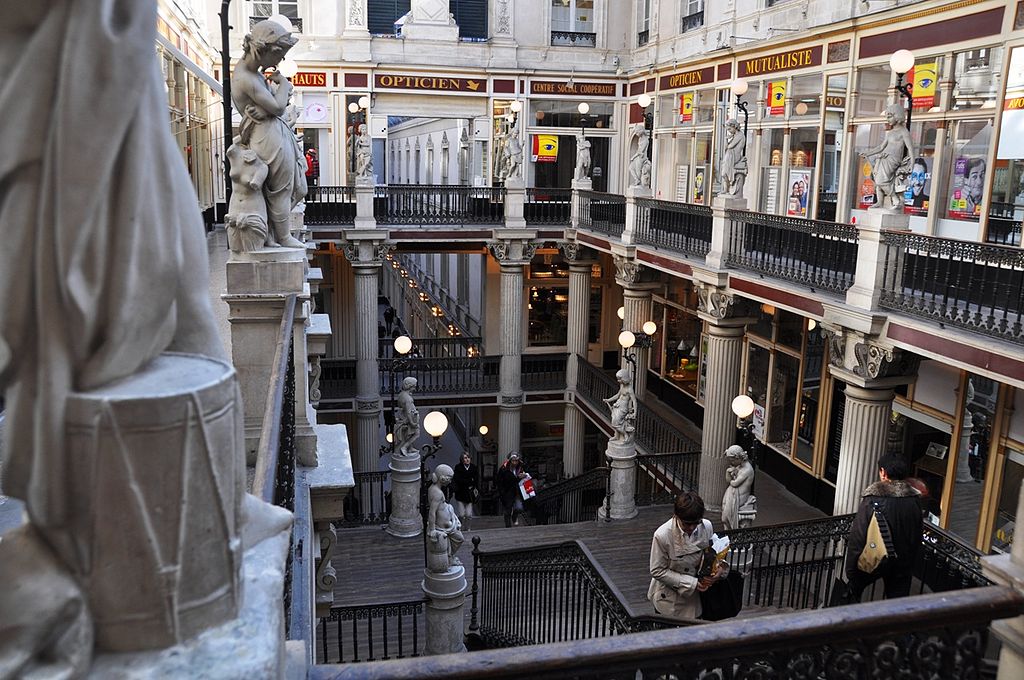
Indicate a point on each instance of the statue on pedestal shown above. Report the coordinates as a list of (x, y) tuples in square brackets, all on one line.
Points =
[(407, 420), (513, 153), (364, 153), (739, 505), (444, 531), (265, 132), (623, 409), (582, 157), (891, 161), (734, 160), (639, 164)]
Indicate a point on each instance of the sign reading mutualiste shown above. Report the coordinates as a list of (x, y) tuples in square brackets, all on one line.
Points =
[(309, 79), (693, 78), (572, 89), (781, 61), (390, 81)]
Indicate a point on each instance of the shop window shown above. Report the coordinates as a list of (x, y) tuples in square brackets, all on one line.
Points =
[(700, 191), (682, 348), (872, 89), (1006, 211), (594, 318), (758, 363), (1006, 509), (831, 156), (785, 389), (682, 177), (966, 182), (763, 326), (676, 110), (918, 197), (562, 113), (790, 330), (548, 316), (976, 77), (810, 396), (559, 173), (866, 136), (772, 142), (704, 105), (803, 145), (979, 405), (655, 361), (805, 96)]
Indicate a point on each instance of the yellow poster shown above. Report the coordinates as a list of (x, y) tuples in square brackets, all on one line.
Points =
[(545, 148), (686, 107), (777, 97), (923, 79)]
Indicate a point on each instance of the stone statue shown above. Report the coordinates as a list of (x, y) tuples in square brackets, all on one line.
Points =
[(739, 505), (514, 153), (246, 221), (582, 157), (623, 407), (891, 161), (265, 131), (639, 164), (104, 296), (444, 531), (364, 153), (500, 144), (734, 160), (407, 420)]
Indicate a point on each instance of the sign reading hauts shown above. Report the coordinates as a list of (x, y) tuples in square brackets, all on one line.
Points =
[(309, 79), (388, 81), (572, 89), (782, 61)]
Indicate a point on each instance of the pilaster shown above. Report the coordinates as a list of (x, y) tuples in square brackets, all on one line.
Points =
[(632, 194), (621, 502)]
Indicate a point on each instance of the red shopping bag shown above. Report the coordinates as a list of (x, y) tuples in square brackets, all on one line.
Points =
[(526, 488)]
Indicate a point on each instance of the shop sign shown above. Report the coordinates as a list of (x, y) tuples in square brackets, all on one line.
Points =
[(545, 148), (309, 79), (834, 102), (783, 61), (1014, 104), (923, 81), (572, 89), (438, 83), (688, 78)]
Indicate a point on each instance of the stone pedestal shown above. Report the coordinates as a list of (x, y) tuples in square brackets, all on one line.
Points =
[(329, 483), (867, 282), (865, 435), (633, 193), (515, 203), (720, 226), (622, 483), (724, 359), (446, 600), (405, 520), (364, 205), (430, 20)]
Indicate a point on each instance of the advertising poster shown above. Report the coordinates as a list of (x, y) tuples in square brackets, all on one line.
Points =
[(698, 184), (545, 148), (777, 97), (967, 189), (919, 187), (799, 187), (771, 189), (865, 185), (686, 107), (757, 420), (682, 182), (923, 80)]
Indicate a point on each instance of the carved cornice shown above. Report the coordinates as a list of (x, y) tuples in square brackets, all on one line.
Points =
[(511, 252), (836, 340), (511, 400), (874, 361), (627, 271), (366, 253), (367, 405), (713, 301)]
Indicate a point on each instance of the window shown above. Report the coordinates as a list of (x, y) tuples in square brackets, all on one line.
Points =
[(691, 15), (976, 76), (643, 22), (471, 16), (382, 15), (572, 23), (262, 9)]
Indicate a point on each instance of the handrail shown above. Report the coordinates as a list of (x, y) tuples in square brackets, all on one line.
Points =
[(948, 628), (565, 500), (267, 455), (386, 642)]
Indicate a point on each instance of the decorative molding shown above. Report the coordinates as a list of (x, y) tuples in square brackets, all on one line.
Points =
[(314, 380), (713, 301), (570, 251), (627, 271), (877, 361), (375, 252), (499, 249), (530, 249), (505, 251), (382, 250), (503, 26), (836, 340), (355, 13), (511, 400), (367, 405), (326, 575)]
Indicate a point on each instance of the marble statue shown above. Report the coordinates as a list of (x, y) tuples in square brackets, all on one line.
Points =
[(246, 221), (623, 408), (734, 159), (739, 505), (364, 153), (407, 420), (513, 166), (500, 144), (104, 314), (582, 157), (264, 129), (639, 164), (891, 161), (444, 531)]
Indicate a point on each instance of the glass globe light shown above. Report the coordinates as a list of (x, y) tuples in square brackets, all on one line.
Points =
[(621, 311), (583, 108), (364, 102), (901, 61), (743, 406), (644, 101), (650, 328), (739, 87), (403, 344), (435, 423), (516, 106), (484, 430), (389, 437), (288, 68), (801, 109), (353, 107), (626, 339)]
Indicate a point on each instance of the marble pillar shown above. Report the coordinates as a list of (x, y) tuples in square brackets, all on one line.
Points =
[(622, 482), (1007, 569), (724, 359), (865, 434), (405, 520), (576, 341), (636, 302)]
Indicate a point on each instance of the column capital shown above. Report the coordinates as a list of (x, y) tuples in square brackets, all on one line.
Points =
[(577, 254), (515, 252), (866, 361), (366, 252), (717, 305), (627, 271)]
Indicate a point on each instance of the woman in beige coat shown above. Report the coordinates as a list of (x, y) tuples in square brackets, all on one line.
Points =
[(676, 556)]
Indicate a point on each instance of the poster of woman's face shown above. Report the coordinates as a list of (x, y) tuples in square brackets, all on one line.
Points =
[(916, 198), (968, 188), (799, 192)]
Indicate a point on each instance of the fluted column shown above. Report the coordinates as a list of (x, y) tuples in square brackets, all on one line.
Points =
[(636, 303), (865, 435), (580, 268), (724, 359)]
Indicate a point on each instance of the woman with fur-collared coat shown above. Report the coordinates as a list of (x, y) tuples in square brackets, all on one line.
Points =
[(675, 558)]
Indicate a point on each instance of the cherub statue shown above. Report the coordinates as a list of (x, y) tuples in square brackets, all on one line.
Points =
[(639, 164), (891, 160), (739, 505), (444, 531), (407, 420), (734, 159), (623, 407)]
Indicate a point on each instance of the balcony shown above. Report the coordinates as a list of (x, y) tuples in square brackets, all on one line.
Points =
[(573, 39), (296, 22), (691, 22), (643, 37)]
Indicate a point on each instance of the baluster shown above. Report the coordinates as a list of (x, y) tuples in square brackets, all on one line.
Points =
[(416, 629)]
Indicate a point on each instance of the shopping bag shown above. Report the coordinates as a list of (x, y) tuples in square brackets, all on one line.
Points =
[(724, 599), (526, 488)]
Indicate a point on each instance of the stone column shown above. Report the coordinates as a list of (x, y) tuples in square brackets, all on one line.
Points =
[(636, 301), (405, 520), (622, 482), (580, 268), (1007, 569), (724, 359), (513, 254), (446, 600)]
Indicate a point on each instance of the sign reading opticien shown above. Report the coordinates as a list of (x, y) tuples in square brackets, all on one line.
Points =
[(687, 78), (574, 89), (399, 82), (783, 61)]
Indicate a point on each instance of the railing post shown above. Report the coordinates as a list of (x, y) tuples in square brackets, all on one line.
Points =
[(365, 218), (474, 622), (632, 213), (871, 260), (578, 185), (720, 228)]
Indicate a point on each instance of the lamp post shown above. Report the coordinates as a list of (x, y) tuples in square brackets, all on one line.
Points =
[(584, 109), (739, 88), (644, 101), (743, 407), (435, 423), (901, 62), (642, 340)]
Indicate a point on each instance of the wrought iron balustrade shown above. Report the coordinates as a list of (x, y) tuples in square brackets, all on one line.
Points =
[(821, 255), (602, 212), (576, 499), (435, 348), (660, 477), (467, 375), (372, 632), (642, 38), (975, 286), (691, 21), (368, 502), (337, 378), (681, 227), (453, 311), (542, 372), (573, 39), (330, 205), (439, 204), (548, 206)]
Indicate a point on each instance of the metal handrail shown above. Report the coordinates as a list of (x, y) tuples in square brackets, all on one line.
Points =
[(265, 482), (377, 645), (682, 227)]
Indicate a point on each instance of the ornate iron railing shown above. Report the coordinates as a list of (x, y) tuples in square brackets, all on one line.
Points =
[(602, 212), (372, 632), (548, 206), (439, 204), (573, 39), (921, 638), (976, 286), (330, 205), (550, 593), (543, 372), (443, 376), (821, 255), (453, 311), (434, 348), (571, 500), (691, 21), (828, 202), (654, 434), (681, 227), (642, 38), (660, 477), (368, 502)]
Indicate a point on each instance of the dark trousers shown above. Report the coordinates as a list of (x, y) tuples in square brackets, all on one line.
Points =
[(511, 513), (896, 580)]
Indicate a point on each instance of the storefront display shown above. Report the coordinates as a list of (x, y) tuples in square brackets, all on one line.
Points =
[(799, 191)]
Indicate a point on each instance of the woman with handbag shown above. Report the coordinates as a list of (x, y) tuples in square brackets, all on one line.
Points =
[(507, 481), (466, 483)]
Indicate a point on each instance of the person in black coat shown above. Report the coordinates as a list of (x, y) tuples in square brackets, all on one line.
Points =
[(900, 504), (465, 488), (507, 481)]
